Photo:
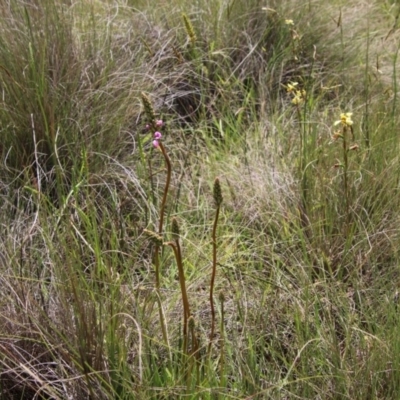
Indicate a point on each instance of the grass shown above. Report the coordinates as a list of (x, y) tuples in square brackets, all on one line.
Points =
[(252, 253)]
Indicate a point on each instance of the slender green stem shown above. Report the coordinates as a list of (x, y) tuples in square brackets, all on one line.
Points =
[(396, 54), (345, 176), (302, 156), (301, 137)]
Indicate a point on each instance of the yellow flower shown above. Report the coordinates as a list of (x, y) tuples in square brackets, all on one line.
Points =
[(299, 96), (296, 100), (291, 87), (289, 22), (345, 119)]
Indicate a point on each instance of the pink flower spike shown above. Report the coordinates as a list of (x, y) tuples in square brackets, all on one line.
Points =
[(155, 143), (159, 123), (157, 135)]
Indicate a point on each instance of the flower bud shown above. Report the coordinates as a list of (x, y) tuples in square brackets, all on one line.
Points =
[(217, 193), (175, 228), (191, 322)]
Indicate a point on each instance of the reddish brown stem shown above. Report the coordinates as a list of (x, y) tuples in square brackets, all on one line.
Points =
[(166, 188), (214, 270), (156, 257), (186, 309)]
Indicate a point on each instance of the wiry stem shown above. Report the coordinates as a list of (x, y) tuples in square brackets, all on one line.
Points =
[(346, 165), (221, 360), (156, 257), (156, 261), (186, 309), (217, 194), (166, 188), (214, 270)]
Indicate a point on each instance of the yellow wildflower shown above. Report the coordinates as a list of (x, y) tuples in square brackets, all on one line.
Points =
[(345, 119), (289, 22), (291, 87), (297, 100), (299, 96)]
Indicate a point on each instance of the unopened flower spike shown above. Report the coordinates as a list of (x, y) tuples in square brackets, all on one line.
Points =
[(217, 193), (191, 322), (189, 28), (148, 108), (175, 228)]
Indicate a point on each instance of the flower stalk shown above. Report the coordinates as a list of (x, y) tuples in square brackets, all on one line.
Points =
[(217, 193), (347, 127), (175, 245)]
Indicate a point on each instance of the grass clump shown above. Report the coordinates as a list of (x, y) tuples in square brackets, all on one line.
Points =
[(124, 274)]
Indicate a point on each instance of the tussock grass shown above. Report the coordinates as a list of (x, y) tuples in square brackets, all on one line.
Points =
[(96, 290)]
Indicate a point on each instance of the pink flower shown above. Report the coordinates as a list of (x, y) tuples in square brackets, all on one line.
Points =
[(157, 135), (159, 123), (156, 143)]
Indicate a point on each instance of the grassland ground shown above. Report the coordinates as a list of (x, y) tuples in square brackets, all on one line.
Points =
[(111, 233)]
